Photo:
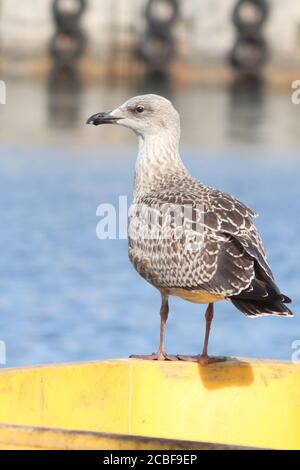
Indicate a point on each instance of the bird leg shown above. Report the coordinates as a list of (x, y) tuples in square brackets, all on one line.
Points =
[(204, 358), (160, 355), (209, 315)]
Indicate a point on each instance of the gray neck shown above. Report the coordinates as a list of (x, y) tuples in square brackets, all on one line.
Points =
[(157, 159)]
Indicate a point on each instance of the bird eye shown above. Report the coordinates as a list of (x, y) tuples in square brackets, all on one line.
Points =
[(139, 109)]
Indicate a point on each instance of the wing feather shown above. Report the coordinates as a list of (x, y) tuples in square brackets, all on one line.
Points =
[(228, 249)]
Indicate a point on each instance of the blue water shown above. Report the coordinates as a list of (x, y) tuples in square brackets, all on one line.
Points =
[(65, 295)]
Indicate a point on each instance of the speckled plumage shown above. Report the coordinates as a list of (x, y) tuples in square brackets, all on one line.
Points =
[(226, 257), (185, 238), (176, 263)]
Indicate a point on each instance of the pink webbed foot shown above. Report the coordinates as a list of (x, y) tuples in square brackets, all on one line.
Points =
[(158, 356)]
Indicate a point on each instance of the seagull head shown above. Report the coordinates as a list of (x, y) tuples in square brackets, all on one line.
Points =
[(146, 115)]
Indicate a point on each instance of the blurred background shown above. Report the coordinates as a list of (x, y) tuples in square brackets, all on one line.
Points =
[(228, 66)]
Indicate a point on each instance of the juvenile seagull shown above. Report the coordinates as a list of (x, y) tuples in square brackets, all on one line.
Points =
[(216, 252)]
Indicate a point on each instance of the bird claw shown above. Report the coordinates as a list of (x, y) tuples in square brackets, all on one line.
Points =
[(202, 359), (158, 356), (199, 358)]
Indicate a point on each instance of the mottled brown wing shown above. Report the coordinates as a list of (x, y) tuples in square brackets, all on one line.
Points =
[(230, 244), (235, 218)]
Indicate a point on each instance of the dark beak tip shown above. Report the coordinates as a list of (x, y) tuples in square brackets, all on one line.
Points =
[(101, 118), (93, 119)]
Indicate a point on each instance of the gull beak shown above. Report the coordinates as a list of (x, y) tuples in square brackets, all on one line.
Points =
[(103, 118)]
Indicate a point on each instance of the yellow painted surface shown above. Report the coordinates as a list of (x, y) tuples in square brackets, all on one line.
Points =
[(240, 402)]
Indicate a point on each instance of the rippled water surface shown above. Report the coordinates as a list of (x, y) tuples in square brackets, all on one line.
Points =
[(64, 294)]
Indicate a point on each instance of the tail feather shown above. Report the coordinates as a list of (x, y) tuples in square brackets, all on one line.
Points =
[(286, 299), (262, 297), (256, 308)]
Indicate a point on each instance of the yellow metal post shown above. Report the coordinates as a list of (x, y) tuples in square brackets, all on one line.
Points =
[(237, 403)]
